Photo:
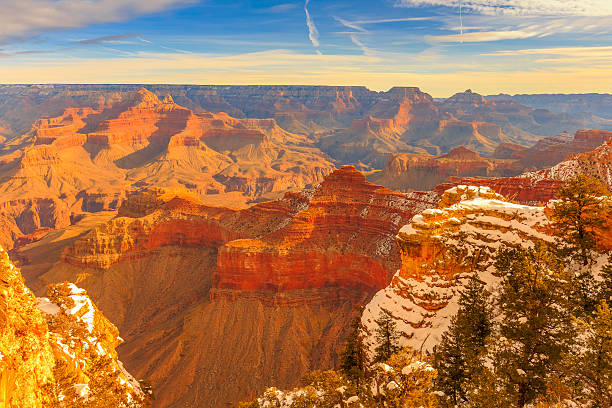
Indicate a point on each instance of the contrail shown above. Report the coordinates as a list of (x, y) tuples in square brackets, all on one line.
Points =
[(313, 33)]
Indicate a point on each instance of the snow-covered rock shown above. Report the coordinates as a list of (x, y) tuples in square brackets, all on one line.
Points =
[(441, 248)]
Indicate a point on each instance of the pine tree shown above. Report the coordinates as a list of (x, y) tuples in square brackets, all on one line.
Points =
[(578, 212), (590, 363), (536, 328), (604, 291), (458, 356), (387, 337), (353, 360)]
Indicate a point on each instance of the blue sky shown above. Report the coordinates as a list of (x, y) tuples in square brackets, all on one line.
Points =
[(442, 46)]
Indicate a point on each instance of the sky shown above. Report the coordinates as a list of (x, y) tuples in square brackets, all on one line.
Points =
[(441, 46)]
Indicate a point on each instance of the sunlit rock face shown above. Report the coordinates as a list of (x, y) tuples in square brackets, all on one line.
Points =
[(89, 159), (258, 295), (440, 249), (406, 171), (58, 347)]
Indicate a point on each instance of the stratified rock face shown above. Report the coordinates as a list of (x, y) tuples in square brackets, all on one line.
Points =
[(522, 189), (509, 151), (57, 348), (216, 304), (343, 239), (597, 163), (406, 171), (90, 159), (353, 124), (552, 150), (440, 249), (585, 104)]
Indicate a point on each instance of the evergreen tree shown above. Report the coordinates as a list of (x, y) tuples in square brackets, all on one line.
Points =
[(459, 354), (387, 337), (536, 328), (353, 360), (578, 212), (590, 363), (604, 291)]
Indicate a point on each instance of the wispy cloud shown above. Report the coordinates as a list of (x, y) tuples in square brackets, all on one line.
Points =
[(349, 24), (355, 39), (313, 33), (563, 51), (279, 8), (25, 17), (523, 7), (286, 67), (107, 39), (481, 36)]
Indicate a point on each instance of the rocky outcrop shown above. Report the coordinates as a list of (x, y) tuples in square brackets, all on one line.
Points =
[(59, 348), (552, 150), (440, 249), (597, 163), (407, 172), (509, 151), (343, 239), (522, 189), (25, 216), (593, 104), (90, 159)]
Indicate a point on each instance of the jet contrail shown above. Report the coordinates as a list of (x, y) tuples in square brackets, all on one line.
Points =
[(313, 33)]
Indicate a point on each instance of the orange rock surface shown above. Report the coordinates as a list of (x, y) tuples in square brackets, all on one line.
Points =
[(343, 239), (521, 189), (406, 171), (226, 301), (90, 159), (552, 150)]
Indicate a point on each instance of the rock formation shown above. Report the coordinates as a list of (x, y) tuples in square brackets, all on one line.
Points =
[(442, 247), (343, 120), (215, 304), (407, 172), (90, 159), (59, 348), (597, 163), (552, 150)]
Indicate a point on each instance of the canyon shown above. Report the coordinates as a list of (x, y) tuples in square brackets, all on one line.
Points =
[(232, 233), (215, 303)]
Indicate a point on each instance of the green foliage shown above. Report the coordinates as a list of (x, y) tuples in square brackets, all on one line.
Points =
[(604, 290), (353, 359), (590, 364), (458, 357), (387, 337), (579, 211), (536, 327)]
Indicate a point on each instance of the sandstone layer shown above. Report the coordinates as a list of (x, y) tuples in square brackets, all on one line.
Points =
[(216, 304), (406, 172), (90, 159), (440, 249)]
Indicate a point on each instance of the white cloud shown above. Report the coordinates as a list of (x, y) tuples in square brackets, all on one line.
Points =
[(564, 51), (349, 24), (26, 17), (286, 67), (523, 7), (481, 36), (313, 33)]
